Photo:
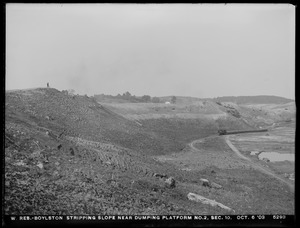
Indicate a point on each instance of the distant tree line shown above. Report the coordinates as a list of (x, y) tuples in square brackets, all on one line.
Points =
[(128, 97)]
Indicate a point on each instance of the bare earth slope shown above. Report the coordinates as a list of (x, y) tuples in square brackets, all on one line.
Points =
[(71, 155)]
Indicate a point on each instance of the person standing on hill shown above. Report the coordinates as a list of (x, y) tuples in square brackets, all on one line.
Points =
[(47, 84)]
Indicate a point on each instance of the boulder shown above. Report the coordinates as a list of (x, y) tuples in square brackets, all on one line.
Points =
[(254, 153), (205, 182), (201, 199), (71, 151), (40, 165), (266, 160), (215, 185), (170, 182)]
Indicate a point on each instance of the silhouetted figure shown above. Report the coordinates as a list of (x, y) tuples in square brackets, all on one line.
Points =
[(47, 84)]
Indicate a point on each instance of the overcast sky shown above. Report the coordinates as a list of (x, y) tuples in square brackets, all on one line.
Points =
[(199, 50)]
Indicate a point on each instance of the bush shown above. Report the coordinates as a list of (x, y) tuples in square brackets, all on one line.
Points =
[(155, 100), (173, 100)]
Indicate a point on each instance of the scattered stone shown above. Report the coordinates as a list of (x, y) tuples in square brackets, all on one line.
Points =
[(56, 163), (35, 154), (254, 152), (205, 182), (154, 189), (170, 182), (266, 160), (71, 151), (21, 182), (160, 175), (20, 163), (186, 169), (40, 165), (215, 185), (59, 146), (292, 176)]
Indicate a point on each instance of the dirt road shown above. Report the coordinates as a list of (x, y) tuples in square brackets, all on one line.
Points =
[(192, 144), (234, 149), (254, 165)]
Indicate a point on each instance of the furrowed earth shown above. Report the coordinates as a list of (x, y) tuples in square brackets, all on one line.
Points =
[(69, 154)]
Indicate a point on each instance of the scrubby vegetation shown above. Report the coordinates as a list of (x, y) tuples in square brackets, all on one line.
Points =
[(126, 97)]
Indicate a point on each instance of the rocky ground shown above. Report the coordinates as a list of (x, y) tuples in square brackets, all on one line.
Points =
[(67, 154)]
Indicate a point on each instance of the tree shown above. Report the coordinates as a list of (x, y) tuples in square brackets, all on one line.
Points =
[(127, 95), (155, 100), (173, 100), (146, 98)]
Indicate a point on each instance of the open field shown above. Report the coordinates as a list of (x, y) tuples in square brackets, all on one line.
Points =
[(67, 154), (279, 141), (197, 109), (214, 160)]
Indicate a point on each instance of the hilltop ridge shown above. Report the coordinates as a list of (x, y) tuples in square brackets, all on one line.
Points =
[(261, 99)]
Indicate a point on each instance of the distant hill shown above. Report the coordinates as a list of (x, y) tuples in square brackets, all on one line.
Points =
[(180, 99), (262, 99)]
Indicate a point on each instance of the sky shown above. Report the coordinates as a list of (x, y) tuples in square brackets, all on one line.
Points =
[(197, 50)]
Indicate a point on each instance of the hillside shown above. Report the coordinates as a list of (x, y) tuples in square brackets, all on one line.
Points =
[(76, 116), (263, 99), (64, 152), (68, 154)]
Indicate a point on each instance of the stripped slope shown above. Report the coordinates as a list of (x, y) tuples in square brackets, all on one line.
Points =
[(77, 116)]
